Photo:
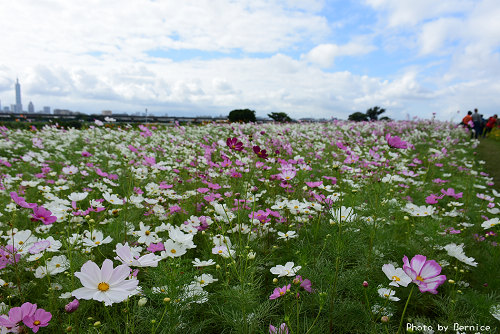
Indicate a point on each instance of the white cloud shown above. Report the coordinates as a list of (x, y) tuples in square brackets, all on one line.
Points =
[(268, 55), (408, 12), (324, 54)]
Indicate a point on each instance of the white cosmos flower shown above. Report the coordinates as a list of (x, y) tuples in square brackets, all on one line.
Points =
[(288, 235), (105, 284), (287, 270), (130, 258), (173, 249), (343, 215), (56, 265), (397, 276), (490, 223), (197, 263), (204, 280), (77, 196), (457, 251), (388, 294), (112, 198)]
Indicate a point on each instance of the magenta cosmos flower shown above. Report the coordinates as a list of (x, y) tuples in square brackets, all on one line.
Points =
[(234, 144), (106, 285), (43, 215), (39, 319), (30, 316), (21, 201), (278, 292), (282, 329), (396, 142), (424, 273), (260, 153)]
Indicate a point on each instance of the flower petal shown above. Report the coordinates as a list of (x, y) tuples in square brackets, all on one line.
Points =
[(106, 270), (430, 269), (119, 274), (417, 262)]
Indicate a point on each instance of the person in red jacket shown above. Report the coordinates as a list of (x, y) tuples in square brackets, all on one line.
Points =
[(492, 121)]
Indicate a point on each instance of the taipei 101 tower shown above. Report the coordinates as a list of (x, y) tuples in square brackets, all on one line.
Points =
[(19, 105)]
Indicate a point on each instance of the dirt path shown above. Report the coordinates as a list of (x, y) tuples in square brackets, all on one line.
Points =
[(489, 151)]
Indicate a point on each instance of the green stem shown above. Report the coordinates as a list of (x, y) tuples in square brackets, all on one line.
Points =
[(404, 311)]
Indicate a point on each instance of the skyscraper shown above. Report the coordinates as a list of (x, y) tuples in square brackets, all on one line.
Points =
[(31, 108), (19, 105)]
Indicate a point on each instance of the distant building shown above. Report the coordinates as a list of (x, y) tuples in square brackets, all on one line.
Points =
[(106, 112), (62, 112), (31, 108), (13, 108), (46, 110), (6, 109), (19, 105)]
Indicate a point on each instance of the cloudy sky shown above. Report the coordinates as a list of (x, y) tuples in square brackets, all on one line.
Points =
[(308, 58)]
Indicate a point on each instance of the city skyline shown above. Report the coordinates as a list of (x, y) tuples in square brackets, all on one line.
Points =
[(309, 58), (18, 106)]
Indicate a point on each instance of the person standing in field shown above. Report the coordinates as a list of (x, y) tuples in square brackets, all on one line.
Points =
[(467, 119), (492, 122), (476, 118)]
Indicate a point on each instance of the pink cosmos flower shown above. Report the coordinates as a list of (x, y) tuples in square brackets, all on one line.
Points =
[(39, 319), (451, 192), (27, 313), (43, 215), (278, 292), (39, 246), (156, 247), (396, 142), (314, 184), (234, 144), (21, 201), (424, 273), (283, 329), (287, 174), (8, 255), (106, 284)]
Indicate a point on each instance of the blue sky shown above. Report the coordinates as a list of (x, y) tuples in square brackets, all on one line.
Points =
[(308, 58)]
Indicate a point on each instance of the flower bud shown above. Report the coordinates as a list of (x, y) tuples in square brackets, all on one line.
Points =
[(384, 318), (72, 306), (275, 280), (142, 301), (97, 324), (365, 284), (166, 300)]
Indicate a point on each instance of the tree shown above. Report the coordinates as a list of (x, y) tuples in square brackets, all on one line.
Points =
[(242, 115), (279, 117), (373, 113), (358, 116)]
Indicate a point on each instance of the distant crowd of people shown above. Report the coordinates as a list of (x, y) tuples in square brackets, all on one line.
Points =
[(478, 125)]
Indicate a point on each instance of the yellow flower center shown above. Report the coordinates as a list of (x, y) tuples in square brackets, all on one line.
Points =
[(220, 252), (58, 265), (202, 282), (103, 286), (419, 278), (395, 278), (173, 251), (97, 242), (147, 233), (36, 322)]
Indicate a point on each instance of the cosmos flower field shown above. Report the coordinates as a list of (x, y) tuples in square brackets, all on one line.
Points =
[(340, 227)]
